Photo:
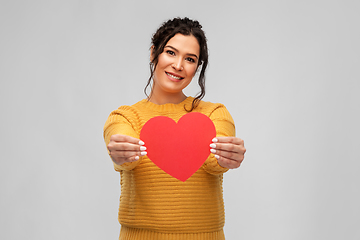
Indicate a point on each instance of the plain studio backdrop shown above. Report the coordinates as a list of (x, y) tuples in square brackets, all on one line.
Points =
[(288, 72)]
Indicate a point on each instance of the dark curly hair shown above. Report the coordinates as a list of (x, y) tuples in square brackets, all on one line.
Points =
[(169, 29)]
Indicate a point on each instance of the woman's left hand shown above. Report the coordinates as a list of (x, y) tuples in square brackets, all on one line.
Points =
[(229, 151)]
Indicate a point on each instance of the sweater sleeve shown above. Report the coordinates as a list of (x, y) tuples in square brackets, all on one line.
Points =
[(121, 122), (225, 127)]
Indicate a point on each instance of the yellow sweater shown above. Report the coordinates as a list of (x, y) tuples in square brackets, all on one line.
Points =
[(155, 205)]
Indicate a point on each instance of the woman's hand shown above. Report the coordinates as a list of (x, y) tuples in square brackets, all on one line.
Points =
[(124, 148), (229, 151)]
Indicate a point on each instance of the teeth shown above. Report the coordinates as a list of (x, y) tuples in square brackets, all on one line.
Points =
[(178, 78)]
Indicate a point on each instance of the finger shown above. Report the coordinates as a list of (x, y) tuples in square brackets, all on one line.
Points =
[(229, 155), (234, 140), (120, 160), (228, 163), (134, 158), (125, 138), (229, 147), (127, 154), (124, 146), (131, 159)]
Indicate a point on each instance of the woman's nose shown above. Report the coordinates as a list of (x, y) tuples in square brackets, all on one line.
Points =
[(178, 65)]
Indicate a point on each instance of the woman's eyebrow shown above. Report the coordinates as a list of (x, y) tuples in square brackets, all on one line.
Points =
[(190, 54)]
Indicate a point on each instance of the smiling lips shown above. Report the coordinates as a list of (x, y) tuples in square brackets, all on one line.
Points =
[(176, 77)]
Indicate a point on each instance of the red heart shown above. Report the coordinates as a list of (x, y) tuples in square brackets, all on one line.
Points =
[(180, 148)]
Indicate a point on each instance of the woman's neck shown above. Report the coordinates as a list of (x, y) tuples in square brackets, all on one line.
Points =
[(161, 99)]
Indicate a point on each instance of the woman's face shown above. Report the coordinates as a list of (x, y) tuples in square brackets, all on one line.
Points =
[(177, 65)]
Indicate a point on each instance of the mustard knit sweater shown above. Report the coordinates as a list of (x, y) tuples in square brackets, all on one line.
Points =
[(155, 205)]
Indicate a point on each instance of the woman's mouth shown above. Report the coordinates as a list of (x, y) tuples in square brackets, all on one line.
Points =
[(174, 76)]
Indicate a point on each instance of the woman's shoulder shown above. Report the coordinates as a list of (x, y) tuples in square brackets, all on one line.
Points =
[(131, 107), (209, 106), (213, 110), (127, 110)]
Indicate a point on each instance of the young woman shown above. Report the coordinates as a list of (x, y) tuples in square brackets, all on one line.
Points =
[(153, 204)]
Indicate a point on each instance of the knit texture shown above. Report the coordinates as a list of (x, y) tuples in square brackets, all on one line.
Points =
[(153, 204)]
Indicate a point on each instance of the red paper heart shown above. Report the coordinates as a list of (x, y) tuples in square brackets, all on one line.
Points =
[(180, 148)]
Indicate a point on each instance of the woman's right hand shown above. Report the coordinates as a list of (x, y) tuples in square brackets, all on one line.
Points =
[(124, 149)]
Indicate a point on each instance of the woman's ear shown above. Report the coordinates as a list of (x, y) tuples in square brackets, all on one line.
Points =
[(198, 67), (152, 53)]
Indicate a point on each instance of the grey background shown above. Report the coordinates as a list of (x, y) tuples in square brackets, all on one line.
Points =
[(288, 71)]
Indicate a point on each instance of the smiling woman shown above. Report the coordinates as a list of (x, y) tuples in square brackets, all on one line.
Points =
[(175, 69), (185, 28), (153, 204)]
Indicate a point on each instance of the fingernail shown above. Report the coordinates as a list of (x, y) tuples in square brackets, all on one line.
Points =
[(213, 145), (217, 156), (142, 148), (141, 142), (214, 140), (213, 150), (143, 153), (137, 158)]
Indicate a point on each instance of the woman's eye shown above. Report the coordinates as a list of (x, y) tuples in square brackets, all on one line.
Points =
[(170, 52), (190, 59)]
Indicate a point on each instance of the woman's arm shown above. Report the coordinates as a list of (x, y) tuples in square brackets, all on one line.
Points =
[(121, 139), (227, 151)]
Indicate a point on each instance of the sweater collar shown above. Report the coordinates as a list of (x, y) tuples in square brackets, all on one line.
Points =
[(168, 106)]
